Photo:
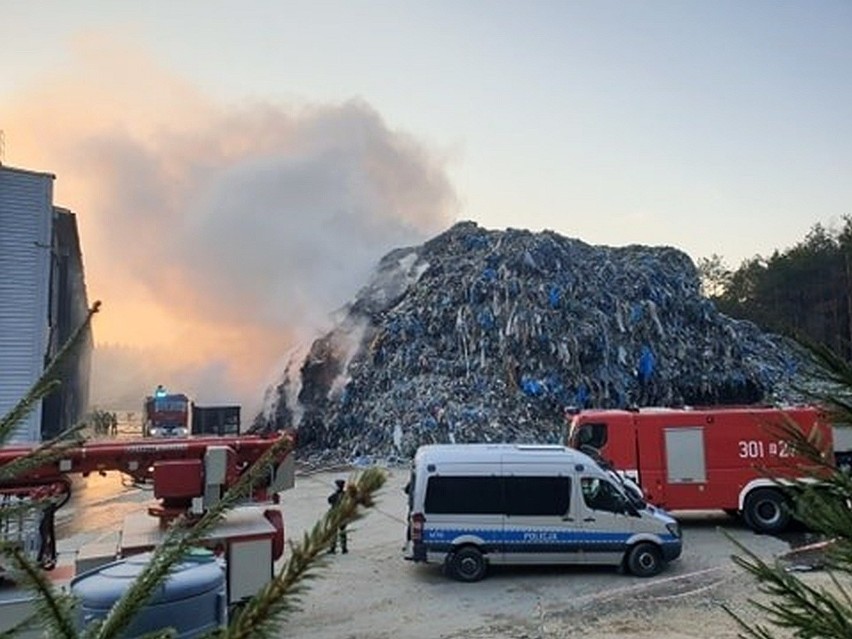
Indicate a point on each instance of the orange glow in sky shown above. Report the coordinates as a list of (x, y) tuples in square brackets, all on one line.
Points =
[(217, 238)]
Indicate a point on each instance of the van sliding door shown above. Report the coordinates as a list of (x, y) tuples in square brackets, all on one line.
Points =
[(464, 508), (537, 527)]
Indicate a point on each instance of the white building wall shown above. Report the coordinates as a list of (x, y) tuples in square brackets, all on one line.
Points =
[(26, 205)]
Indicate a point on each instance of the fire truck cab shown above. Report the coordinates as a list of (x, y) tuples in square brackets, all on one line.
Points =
[(720, 458), (166, 414)]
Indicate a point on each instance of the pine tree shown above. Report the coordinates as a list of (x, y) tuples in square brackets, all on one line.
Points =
[(790, 602), (261, 616)]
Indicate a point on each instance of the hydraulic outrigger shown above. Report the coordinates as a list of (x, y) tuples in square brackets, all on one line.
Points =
[(188, 475)]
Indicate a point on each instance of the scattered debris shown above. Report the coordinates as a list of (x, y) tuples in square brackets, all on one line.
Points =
[(808, 557), (482, 336)]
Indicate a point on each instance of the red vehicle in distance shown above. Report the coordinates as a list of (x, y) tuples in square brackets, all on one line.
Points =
[(719, 458), (166, 414)]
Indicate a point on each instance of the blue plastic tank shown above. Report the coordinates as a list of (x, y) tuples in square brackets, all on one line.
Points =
[(192, 599)]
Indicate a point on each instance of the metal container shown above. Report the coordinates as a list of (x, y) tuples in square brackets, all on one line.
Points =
[(192, 599)]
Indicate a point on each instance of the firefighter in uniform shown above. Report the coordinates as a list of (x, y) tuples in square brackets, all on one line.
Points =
[(333, 499)]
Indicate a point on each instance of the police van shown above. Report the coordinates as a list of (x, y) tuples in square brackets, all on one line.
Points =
[(471, 505)]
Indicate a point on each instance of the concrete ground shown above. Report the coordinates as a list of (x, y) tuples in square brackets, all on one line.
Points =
[(372, 592)]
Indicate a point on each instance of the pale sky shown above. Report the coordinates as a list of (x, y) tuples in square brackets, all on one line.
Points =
[(715, 127)]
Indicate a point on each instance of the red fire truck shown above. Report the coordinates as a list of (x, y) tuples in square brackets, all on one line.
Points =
[(166, 414), (188, 477), (720, 458)]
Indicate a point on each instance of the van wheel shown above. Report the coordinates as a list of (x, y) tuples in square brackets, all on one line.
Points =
[(466, 564), (645, 560), (766, 511)]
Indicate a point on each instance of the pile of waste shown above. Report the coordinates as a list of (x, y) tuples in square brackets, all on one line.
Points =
[(487, 336)]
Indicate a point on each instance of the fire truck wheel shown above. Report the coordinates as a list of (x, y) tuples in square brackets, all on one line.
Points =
[(466, 564), (766, 511), (645, 560)]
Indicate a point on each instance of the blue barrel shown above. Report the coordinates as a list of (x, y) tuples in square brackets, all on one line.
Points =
[(192, 599)]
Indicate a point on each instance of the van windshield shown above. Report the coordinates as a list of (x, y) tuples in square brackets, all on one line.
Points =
[(630, 489)]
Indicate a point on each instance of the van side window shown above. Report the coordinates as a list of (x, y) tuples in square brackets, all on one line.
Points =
[(463, 495), (599, 494), (537, 495)]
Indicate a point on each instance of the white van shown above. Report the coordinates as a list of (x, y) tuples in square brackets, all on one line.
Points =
[(471, 505)]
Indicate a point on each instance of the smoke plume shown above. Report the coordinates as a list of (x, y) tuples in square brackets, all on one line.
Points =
[(217, 236)]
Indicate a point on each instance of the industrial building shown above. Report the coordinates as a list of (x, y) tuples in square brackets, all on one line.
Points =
[(42, 302)]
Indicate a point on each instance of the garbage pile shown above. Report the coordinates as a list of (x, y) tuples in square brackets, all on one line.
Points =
[(487, 336)]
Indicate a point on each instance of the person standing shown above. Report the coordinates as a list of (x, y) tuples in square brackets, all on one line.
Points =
[(334, 499), (644, 373)]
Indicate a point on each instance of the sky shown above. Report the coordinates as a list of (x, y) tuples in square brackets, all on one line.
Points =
[(238, 168)]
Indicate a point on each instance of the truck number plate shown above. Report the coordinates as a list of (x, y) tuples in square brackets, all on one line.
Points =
[(757, 449)]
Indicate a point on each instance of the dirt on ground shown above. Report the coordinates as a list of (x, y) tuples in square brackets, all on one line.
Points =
[(372, 592)]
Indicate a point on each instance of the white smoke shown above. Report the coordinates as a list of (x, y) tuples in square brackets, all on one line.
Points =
[(218, 237)]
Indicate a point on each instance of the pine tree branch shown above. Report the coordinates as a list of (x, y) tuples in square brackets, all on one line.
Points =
[(49, 379), (43, 454), (821, 501), (53, 607), (19, 412), (262, 615), (833, 375), (180, 538)]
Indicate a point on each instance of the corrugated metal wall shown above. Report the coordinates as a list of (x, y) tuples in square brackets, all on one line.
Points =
[(69, 305), (26, 213)]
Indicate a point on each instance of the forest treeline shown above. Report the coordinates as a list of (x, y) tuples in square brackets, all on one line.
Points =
[(805, 290)]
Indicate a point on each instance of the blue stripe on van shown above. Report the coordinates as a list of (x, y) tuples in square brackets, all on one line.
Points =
[(526, 540), (526, 536)]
